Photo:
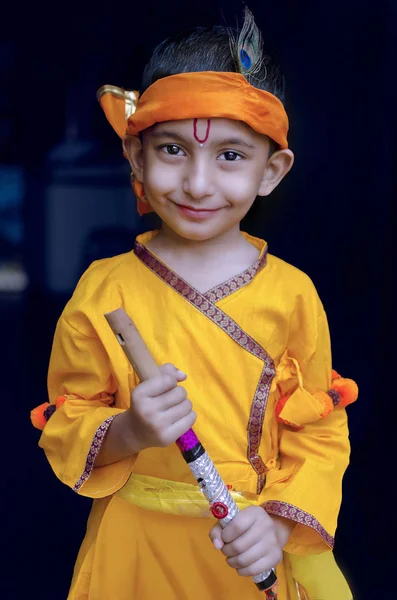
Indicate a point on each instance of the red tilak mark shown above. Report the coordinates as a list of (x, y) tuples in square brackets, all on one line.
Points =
[(201, 142)]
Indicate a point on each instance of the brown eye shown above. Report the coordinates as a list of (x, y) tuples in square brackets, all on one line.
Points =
[(230, 156), (172, 149)]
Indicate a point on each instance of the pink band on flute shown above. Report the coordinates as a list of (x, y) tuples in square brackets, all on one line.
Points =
[(187, 441)]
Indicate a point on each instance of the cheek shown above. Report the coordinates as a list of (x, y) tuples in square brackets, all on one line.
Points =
[(242, 185), (159, 178)]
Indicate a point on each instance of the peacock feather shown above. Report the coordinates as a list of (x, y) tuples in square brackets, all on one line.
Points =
[(247, 47)]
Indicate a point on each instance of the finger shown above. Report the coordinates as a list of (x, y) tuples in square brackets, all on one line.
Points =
[(253, 516), (243, 542), (241, 523), (216, 536), (170, 369), (156, 386), (247, 558), (178, 412), (260, 566), (182, 426), (171, 398)]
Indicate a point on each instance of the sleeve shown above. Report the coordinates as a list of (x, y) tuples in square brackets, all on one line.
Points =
[(80, 375), (313, 439)]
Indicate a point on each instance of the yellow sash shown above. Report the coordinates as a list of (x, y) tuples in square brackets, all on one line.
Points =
[(171, 497), (318, 574)]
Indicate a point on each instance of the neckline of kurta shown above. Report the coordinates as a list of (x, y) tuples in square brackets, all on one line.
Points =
[(218, 292), (209, 309)]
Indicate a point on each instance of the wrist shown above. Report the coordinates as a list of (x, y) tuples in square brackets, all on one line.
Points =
[(119, 442), (283, 528), (129, 443)]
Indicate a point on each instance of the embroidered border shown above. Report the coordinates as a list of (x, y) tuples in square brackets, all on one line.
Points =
[(93, 452), (237, 282), (255, 423), (289, 511), (229, 326)]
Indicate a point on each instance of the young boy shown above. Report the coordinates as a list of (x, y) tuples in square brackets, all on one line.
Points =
[(243, 332)]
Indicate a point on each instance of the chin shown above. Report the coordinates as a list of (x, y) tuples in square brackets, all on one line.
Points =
[(190, 230), (194, 234)]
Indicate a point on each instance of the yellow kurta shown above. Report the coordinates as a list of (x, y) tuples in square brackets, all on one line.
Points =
[(242, 344)]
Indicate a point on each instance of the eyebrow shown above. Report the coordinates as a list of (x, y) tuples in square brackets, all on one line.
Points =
[(233, 141)]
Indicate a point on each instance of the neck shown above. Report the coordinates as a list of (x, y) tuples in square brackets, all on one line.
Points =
[(208, 263)]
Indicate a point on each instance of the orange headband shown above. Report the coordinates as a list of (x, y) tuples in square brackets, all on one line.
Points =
[(202, 95)]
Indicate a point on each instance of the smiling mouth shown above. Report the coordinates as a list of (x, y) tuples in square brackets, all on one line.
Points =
[(196, 214), (198, 210)]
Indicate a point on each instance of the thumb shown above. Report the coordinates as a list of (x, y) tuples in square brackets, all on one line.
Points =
[(216, 536), (170, 369), (180, 375)]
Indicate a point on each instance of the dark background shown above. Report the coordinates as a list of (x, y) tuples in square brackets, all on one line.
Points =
[(332, 217)]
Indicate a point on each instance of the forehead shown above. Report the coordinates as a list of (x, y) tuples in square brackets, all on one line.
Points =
[(220, 129)]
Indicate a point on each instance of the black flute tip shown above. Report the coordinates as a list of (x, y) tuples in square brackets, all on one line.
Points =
[(267, 583), (194, 453)]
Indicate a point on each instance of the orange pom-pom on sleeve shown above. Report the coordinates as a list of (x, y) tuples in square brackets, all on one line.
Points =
[(37, 416), (347, 390), (40, 415)]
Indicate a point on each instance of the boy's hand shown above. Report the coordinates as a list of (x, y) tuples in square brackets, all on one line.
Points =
[(160, 410), (253, 542)]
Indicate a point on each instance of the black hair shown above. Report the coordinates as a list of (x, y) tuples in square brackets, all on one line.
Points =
[(208, 49)]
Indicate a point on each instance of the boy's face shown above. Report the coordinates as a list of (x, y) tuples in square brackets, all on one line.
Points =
[(202, 176)]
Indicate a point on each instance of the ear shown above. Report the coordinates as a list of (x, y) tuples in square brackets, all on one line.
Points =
[(277, 166), (132, 147)]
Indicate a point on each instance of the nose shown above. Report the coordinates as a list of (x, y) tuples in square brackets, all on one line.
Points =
[(197, 181)]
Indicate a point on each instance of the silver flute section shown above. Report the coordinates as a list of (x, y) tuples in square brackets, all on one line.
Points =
[(215, 490), (212, 486)]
